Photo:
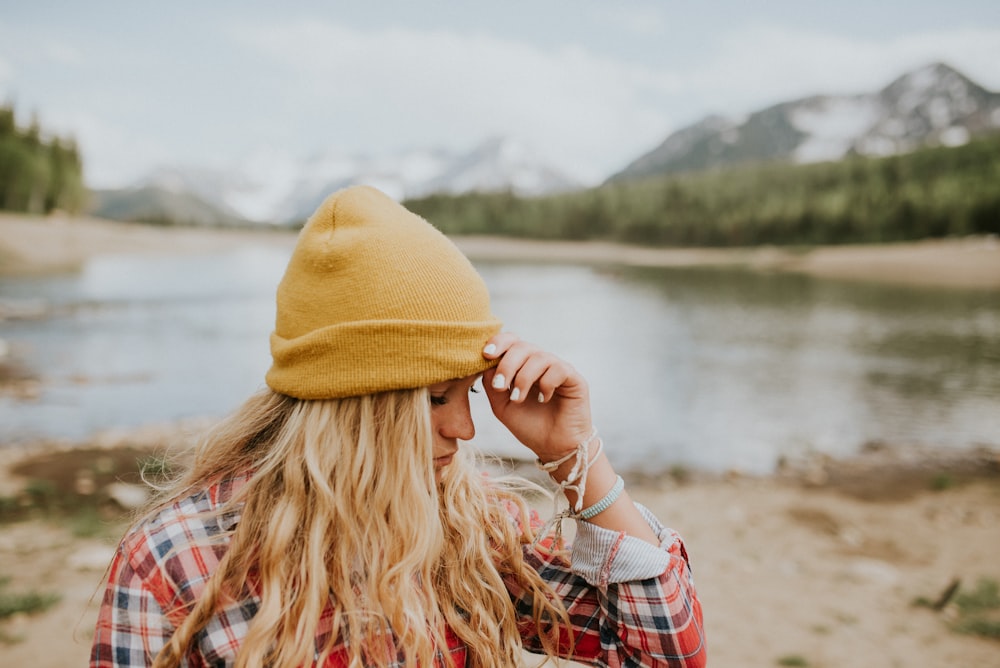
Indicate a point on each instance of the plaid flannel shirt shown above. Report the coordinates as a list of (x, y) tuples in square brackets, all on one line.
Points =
[(630, 604)]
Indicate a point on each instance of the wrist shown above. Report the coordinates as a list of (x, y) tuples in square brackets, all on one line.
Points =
[(561, 463)]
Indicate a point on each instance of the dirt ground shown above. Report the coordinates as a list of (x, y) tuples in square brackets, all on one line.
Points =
[(819, 565)]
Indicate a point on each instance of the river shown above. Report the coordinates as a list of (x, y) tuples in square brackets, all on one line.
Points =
[(705, 368)]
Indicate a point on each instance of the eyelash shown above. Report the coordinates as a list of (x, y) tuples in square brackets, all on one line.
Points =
[(442, 400)]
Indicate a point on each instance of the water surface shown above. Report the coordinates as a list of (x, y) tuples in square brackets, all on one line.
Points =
[(701, 367)]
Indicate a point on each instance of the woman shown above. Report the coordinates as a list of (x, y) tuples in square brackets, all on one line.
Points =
[(334, 520)]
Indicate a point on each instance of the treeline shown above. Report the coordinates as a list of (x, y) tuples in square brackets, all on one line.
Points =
[(38, 175), (934, 192)]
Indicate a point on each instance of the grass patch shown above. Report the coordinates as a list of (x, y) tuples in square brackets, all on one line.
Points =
[(72, 487), (680, 473), (978, 608), (29, 603), (88, 522), (793, 660), (155, 468), (986, 596), (942, 481), (979, 626)]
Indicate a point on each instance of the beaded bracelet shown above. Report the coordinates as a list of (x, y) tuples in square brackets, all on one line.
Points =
[(604, 503)]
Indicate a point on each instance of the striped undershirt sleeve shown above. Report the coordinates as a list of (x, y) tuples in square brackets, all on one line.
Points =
[(602, 556)]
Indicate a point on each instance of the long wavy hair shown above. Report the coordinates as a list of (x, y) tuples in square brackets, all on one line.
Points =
[(342, 512)]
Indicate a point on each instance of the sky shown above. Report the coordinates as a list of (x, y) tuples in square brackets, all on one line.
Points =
[(588, 84)]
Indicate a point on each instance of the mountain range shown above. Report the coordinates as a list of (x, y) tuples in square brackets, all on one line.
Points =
[(932, 105), (271, 188)]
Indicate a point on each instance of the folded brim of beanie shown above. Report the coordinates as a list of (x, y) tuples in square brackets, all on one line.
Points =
[(396, 355)]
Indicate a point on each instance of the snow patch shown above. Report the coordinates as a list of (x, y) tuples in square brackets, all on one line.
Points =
[(832, 126), (272, 187), (939, 109), (954, 136)]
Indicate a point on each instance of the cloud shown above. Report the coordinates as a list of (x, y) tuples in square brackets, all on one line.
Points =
[(62, 53), (113, 156), (404, 86), (643, 21), (382, 89)]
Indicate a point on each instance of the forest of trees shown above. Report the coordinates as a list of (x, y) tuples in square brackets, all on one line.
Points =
[(38, 174), (933, 192)]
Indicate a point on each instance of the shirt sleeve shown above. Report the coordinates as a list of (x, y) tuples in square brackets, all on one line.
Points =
[(132, 627), (629, 603)]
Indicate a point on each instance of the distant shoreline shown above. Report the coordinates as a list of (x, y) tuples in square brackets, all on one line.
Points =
[(972, 262), (37, 245)]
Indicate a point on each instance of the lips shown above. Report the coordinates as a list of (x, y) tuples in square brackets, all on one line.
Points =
[(443, 461)]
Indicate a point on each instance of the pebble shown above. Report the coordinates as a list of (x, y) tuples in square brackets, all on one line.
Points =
[(873, 571), (129, 497)]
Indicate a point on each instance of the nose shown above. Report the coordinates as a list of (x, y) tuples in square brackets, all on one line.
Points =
[(457, 421)]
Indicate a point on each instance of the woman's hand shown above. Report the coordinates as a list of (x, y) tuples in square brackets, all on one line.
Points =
[(540, 398)]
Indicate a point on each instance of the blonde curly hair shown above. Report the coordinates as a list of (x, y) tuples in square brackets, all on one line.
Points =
[(342, 512)]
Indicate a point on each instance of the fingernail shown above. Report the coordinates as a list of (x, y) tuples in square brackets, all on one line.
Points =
[(490, 349), (515, 394), (499, 382), (541, 397)]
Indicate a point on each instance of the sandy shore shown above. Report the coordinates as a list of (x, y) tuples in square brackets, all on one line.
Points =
[(818, 565), (32, 244), (960, 263)]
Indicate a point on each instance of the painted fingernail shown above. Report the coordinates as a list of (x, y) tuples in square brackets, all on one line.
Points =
[(515, 394), (490, 349), (541, 397), (499, 382)]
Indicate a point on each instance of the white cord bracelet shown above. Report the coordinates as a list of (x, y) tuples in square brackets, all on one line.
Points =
[(575, 481)]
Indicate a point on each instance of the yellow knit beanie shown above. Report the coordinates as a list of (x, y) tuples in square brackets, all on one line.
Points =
[(375, 298)]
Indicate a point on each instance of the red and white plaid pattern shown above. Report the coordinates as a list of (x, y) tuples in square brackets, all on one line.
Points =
[(161, 568)]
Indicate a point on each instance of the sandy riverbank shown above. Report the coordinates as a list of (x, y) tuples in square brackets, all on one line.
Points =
[(816, 566), (32, 245)]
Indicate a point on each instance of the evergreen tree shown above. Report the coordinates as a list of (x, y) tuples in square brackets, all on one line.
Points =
[(36, 175)]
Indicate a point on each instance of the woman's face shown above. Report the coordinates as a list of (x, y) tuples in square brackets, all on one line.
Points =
[(451, 419)]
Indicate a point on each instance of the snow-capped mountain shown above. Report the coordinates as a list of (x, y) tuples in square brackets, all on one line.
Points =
[(497, 165), (933, 105), (275, 188)]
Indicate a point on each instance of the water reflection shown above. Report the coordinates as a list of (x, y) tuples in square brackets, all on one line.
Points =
[(723, 368), (710, 368)]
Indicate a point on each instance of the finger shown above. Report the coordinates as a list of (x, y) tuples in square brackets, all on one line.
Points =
[(513, 359), (498, 398), (499, 344), (562, 379), (534, 367), (491, 391)]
